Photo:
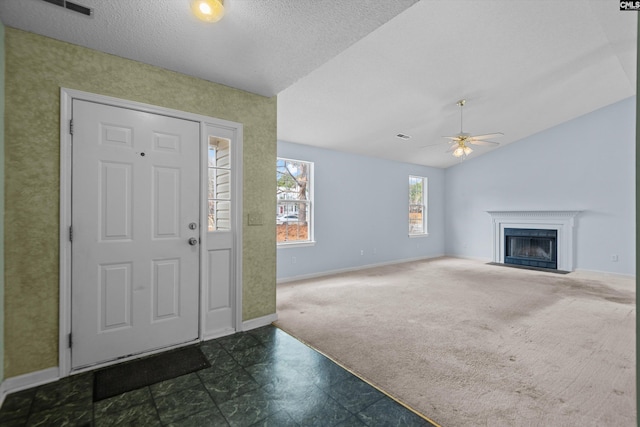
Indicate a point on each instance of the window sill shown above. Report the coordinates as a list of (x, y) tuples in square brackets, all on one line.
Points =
[(296, 244), (411, 236)]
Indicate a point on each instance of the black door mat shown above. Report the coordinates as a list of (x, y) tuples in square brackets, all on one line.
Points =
[(129, 376)]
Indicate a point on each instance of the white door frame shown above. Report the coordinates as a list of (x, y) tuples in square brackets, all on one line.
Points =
[(66, 98)]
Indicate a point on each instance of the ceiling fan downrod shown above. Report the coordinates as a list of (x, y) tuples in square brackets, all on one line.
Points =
[(461, 104)]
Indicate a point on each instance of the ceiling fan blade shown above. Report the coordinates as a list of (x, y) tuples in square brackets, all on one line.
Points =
[(433, 145), (452, 148), (487, 143), (487, 135), (454, 138)]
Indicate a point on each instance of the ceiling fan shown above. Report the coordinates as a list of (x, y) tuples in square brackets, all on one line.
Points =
[(460, 142)]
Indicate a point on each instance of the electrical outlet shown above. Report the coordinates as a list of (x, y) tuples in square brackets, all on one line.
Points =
[(361, 252), (614, 258)]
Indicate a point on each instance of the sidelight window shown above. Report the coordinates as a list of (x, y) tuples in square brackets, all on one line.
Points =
[(219, 191)]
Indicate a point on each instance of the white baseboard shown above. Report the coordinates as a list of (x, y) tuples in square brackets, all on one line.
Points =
[(350, 269), (23, 382), (259, 322)]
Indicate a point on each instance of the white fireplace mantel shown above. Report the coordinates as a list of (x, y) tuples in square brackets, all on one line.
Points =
[(562, 221)]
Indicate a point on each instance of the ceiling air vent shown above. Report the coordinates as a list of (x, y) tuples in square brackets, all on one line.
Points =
[(403, 136), (72, 6)]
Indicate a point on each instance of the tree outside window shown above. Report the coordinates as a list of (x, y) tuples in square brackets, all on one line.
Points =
[(294, 209), (417, 205)]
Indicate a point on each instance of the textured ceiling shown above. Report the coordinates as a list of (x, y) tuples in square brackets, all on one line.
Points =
[(351, 74), (261, 46), (523, 66)]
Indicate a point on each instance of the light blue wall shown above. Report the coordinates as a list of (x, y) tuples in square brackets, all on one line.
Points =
[(361, 203), (584, 164)]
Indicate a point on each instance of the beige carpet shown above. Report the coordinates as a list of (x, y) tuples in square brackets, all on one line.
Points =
[(470, 344)]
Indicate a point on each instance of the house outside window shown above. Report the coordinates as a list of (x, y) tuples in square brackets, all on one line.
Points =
[(219, 184), (294, 212), (417, 205)]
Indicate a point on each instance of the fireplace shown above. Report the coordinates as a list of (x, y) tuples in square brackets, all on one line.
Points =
[(563, 223), (531, 247)]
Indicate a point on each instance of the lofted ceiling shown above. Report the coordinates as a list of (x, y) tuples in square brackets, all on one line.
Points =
[(352, 74)]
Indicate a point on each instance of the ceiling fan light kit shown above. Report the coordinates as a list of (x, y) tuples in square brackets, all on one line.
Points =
[(462, 150)]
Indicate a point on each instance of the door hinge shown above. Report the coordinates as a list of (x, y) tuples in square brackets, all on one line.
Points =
[(71, 233), (70, 341), (71, 126)]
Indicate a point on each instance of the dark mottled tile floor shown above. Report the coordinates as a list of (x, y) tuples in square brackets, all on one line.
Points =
[(262, 377)]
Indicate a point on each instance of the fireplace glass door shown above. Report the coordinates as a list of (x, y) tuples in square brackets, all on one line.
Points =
[(531, 247)]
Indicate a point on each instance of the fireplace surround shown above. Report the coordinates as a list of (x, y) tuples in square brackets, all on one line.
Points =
[(562, 222)]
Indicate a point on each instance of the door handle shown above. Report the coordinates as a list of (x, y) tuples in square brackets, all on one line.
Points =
[(193, 241)]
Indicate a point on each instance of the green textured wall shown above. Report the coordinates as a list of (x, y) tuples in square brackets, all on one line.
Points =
[(1, 201), (36, 68)]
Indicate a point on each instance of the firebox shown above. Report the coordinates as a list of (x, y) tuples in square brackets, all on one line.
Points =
[(531, 247)]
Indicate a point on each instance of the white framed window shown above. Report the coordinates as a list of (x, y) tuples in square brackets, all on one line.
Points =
[(294, 211), (417, 205)]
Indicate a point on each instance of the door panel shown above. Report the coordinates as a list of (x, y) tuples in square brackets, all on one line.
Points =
[(115, 294), (220, 277), (166, 194), (115, 200), (166, 288), (135, 190)]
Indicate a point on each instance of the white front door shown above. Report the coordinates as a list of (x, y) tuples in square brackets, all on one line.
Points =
[(135, 208)]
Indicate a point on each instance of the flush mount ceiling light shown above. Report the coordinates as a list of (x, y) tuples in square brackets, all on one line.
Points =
[(208, 10)]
